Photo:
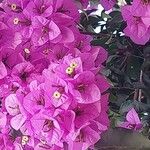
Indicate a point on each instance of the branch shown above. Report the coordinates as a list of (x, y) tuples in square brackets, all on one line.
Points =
[(118, 148), (122, 88), (140, 91), (93, 33), (135, 94)]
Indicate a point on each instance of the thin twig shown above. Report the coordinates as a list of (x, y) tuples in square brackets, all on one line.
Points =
[(137, 56), (135, 94), (93, 33), (122, 88), (124, 61), (116, 148), (140, 91)]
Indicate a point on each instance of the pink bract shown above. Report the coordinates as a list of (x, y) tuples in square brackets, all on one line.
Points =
[(132, 121), (108, 4), (137, 17)]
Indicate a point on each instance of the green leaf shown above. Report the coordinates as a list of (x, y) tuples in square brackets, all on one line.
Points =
[(104, 15), (126, 106), (100, 42), (133, 67)]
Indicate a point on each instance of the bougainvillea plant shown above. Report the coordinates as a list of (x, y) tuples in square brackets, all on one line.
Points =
[(122, 28), (53, 67)]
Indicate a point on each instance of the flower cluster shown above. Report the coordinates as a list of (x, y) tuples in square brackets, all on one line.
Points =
[(137, 17), (51, 89)]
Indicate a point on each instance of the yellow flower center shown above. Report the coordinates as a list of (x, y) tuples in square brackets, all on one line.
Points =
[(80, 45), (13, 6), (73, 65), (16, 21), (27, 50), (25, 140), (57, 95), (69, 70), (46, 51), (43, 142)]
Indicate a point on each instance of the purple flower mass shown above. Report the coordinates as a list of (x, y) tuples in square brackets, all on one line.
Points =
[(51, 91)]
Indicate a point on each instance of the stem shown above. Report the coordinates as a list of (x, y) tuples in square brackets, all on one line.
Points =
[(135, 94), (124, 61), (93, 33), (116, 148), (140, 91), (122, 88)]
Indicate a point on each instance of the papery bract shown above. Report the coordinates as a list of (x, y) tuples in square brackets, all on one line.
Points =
[(132, 121), (138, 23), (108, 4), (3, 71), (84, 89)]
